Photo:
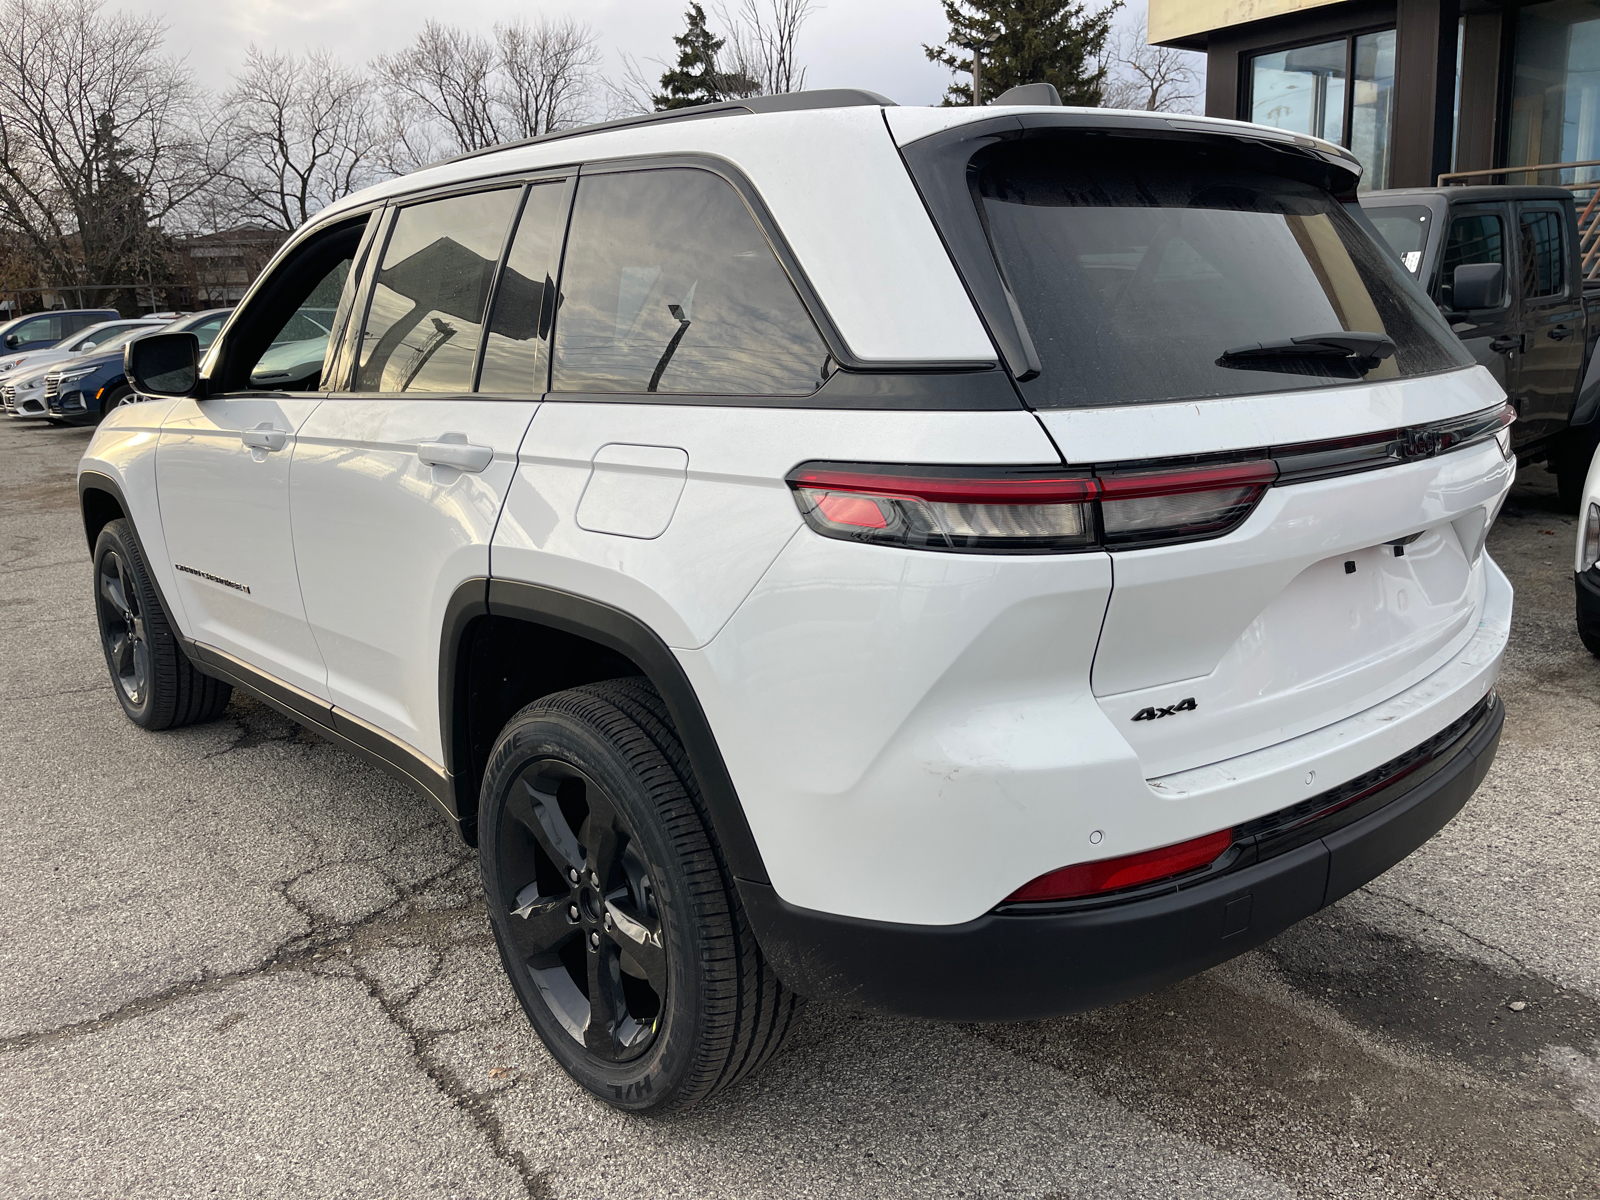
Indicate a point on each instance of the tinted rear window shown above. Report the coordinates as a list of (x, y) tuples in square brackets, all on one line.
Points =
[(1135, 270)]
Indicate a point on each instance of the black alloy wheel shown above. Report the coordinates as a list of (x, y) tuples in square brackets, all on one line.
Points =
[(583, 919), (618, 923), (122, 629), (156, 684)]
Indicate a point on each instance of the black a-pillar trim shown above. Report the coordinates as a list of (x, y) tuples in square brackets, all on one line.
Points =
[(1423, 123)]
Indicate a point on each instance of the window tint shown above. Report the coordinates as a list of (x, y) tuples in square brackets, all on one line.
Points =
[(516, 353), (1474, 238), (1137, 272), (1541, 253), (426, 313), (669, 285)]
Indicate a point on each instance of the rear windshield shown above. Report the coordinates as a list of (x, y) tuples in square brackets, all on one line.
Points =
[(1136, 271)]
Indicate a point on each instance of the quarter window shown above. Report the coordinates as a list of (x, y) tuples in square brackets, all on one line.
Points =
[(670, 286), (1474, 238), (1541, 254), (426, 314), (516, 354)]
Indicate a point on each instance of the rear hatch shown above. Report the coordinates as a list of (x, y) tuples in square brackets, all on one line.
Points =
[(1180, 302)]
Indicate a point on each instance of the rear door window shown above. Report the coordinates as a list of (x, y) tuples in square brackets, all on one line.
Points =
[(670, 286), (1477, 237), (40, 331), (1135, 272), (425, 318), (1542, 254), (516, 359)]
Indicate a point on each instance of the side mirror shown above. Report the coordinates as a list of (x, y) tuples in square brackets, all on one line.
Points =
[(1477, 285), (12, 341), (163, 364)]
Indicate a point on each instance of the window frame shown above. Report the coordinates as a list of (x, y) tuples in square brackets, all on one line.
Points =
[(1247, 77), (1500, 211)]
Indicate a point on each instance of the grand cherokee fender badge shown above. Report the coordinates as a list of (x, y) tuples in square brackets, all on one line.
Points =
[(1155, 714), (238, 587)]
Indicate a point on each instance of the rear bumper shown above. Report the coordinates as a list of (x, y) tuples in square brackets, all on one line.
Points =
[(1022, 965)]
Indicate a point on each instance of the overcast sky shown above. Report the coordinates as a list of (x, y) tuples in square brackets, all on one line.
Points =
[(874, 44)]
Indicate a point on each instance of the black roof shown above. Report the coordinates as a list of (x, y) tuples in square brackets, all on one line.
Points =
[(784, 102)]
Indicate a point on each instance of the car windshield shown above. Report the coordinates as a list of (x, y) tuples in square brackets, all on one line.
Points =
[(1405, 228), (1137, 274), (120, 338)]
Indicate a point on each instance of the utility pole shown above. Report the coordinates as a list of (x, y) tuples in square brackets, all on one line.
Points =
[(977, 76)]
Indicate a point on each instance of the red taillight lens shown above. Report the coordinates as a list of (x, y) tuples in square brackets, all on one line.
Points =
[(941, 509), (1020, 510), (1114, 874)]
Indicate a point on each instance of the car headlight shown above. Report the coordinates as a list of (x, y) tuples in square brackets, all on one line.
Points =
[(12, 363), (73, 376), (1591, 538)]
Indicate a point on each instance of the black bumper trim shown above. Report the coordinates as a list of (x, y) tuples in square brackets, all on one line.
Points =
[(1587, 586), (1012, 966)]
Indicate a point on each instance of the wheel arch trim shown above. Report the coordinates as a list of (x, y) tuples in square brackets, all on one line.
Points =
[(624, 634)]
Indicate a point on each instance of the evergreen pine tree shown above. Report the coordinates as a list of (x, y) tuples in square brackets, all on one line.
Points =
[(1026, 41), (694, 80)]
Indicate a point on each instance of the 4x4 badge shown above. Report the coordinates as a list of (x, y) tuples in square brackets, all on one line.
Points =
[(1155, 714)]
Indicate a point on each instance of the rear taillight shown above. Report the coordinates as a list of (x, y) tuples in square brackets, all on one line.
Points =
[(1022, 510), (935, 508), (1130, 870)]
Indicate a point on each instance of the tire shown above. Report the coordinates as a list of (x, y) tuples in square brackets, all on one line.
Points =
[(1570, 465), (655, 996), (123, 395), (153, 678)]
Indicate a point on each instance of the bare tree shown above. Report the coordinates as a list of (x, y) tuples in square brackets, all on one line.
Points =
[(100, 139), (1154, 78), (453, 91), (548, 74), (302, 132), (759, 57)]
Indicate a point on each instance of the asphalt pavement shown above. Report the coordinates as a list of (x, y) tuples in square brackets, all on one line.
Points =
[(235, 961)]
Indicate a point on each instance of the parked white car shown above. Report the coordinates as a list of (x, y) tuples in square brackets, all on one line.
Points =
[(1586, 568), (968, 563), (22, 388)]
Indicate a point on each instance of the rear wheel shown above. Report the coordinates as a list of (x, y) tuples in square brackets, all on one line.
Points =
[(619, 926), (156, 684)]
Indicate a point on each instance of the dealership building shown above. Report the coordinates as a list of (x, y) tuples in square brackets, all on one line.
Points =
[(1417, 89)]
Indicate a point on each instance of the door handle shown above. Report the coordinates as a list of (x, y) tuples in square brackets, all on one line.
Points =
[(1561, 333), (1505, 345), (265, 437), (453, 450)]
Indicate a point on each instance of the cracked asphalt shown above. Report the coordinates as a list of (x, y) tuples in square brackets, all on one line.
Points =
[(235, 961)]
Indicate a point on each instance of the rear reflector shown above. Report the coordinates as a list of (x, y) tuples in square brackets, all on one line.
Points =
[(1131, 870)]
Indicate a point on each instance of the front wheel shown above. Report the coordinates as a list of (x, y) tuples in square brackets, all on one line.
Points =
[(621, 930), (156, 684)]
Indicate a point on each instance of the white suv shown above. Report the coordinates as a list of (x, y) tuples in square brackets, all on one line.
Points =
[(966, 563)]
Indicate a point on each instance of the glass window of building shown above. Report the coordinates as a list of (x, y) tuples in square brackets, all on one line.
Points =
[(1342, 91), (1555, 103)]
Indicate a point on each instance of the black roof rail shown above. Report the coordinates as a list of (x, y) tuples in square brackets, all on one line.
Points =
[(783, 102)]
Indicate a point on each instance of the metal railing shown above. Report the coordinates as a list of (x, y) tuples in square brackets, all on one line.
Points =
[(1585, 193)]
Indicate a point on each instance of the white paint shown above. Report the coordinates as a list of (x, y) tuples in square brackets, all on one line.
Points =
[(384, 539)]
